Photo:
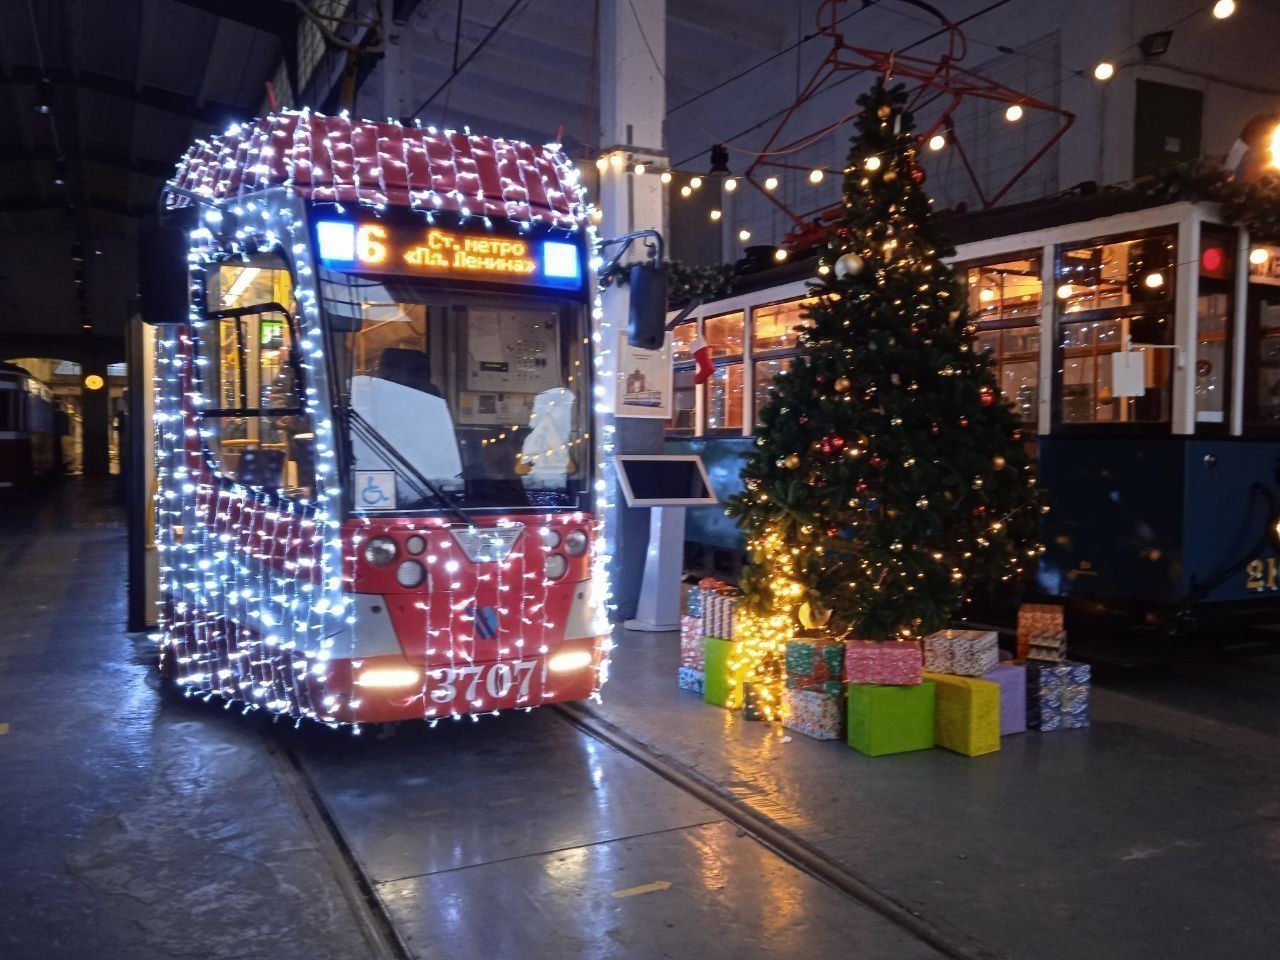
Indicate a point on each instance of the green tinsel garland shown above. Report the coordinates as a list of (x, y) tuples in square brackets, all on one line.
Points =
[(1254, 206), (684, 283)]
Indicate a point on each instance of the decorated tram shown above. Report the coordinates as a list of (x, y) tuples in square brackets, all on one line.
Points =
[(375, 444), (1138, 341)]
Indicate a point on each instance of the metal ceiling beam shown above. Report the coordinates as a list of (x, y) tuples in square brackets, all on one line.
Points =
[(210, 113), (275, 18)]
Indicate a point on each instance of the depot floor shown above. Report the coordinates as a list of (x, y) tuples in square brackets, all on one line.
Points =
[(139, 825)]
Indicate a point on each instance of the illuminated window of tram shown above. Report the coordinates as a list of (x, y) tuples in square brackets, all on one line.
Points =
[(723, 406), (774, 343), (1005, 302), (684, 400), (1112, 293), (256, 430)]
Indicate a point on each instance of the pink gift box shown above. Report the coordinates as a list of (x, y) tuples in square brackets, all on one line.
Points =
[(896, 663)]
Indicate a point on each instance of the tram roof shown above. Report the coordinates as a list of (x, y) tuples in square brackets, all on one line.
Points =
[(340, 160)]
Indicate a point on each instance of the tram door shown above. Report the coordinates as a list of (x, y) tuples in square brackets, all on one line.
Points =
[(1262, 359)]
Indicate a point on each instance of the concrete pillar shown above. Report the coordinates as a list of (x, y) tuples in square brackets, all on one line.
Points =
[(632, 109), (95, 412)]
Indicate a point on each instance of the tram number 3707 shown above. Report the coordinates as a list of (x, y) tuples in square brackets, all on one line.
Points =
[(496, 679)]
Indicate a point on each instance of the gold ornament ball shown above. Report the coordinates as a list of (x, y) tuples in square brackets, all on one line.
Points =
[(998, 462), (890, 176), (813, 616), (791, 461), (884, 111), (842, 385)]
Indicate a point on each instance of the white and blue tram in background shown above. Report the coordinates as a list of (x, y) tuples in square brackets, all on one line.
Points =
[(1140, 343)]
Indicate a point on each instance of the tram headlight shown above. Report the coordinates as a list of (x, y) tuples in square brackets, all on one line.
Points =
[(555, 566), (575, 543), (564, 662), (380, 551), (550, 538), (389, 677), (410, 574), (415, 544)]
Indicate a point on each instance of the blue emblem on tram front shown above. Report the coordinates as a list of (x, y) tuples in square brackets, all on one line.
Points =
[(485, 621)]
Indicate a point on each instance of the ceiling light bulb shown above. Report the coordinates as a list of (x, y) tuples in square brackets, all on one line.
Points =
[(744, 235), (771, 183), (987, 295), (639, 169), (601, 163), (695, 182), (730, 185), (666, 176), (1224, 8), (1104, 71), (815, 176), (615, 159), (779, 254), (715, 215), (686, 190), (1065, 291), (1014, 113), (1258, 256), (937, 142), (1154, 280)]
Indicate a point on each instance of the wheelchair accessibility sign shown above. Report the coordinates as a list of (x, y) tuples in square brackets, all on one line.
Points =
[(375, 490)]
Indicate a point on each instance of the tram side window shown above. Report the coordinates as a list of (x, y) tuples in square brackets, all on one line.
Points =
[(775, 340), (1005, 300), (684, 391), (254, 423), (1110, 294), (723, 408)]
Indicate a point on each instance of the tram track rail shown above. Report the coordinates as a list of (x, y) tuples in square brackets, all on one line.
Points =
[(375, 923), (772, 835)]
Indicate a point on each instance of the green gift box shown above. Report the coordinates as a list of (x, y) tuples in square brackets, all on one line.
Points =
[(722, 687), (884, 719)]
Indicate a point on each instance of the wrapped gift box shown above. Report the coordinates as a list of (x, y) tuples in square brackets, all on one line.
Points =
[(723, 686), (691, 654), (1037, 618), (698, 593), (817, 715), (1012, 680), (884, 720), (718, 613), (1047, 646), (693, 680), (965, 653), (816, 663), (891, 663), (1057, 695), (967, 718)]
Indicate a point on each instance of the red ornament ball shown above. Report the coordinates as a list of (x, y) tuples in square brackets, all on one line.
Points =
[(964, 421), (876, 461), (987, 396), (917, 175), (935, 429), (979, 510)]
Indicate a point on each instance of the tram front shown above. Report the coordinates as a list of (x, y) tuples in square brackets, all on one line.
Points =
[(459, 365)]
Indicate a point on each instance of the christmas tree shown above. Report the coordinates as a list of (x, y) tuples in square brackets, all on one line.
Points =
[(888, 478)]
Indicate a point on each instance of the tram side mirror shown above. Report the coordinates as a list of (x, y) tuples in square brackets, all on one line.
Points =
[(647, 317), (163, 284)]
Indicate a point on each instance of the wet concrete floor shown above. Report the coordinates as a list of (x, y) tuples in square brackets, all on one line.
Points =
[(140, 825)]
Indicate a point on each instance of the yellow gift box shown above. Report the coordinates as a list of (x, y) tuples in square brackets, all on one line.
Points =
[(967, 715)]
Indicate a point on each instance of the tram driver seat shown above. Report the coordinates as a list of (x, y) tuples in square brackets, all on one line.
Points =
[(409, 368)]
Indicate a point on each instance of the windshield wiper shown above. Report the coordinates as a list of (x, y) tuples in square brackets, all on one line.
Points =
[(389, 453)]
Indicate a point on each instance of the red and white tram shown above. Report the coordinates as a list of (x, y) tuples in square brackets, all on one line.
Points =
[(376, 455)]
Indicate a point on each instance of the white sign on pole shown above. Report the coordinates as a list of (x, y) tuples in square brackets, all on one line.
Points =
[(644, 380), (1128, 373)]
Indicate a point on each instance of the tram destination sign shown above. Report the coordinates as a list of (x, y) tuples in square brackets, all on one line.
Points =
[(422, 250)]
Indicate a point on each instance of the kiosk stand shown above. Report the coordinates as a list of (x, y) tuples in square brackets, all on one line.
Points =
[(666, 484)]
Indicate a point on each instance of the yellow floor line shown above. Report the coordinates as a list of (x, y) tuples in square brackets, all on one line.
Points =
[(644, 888)]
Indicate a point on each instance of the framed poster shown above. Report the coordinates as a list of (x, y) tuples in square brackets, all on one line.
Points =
[(644, 381)]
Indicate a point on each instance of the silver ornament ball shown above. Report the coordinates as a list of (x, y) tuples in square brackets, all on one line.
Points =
[(849, 265)]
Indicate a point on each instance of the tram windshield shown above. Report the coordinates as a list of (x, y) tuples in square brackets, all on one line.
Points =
[(453, 401)]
